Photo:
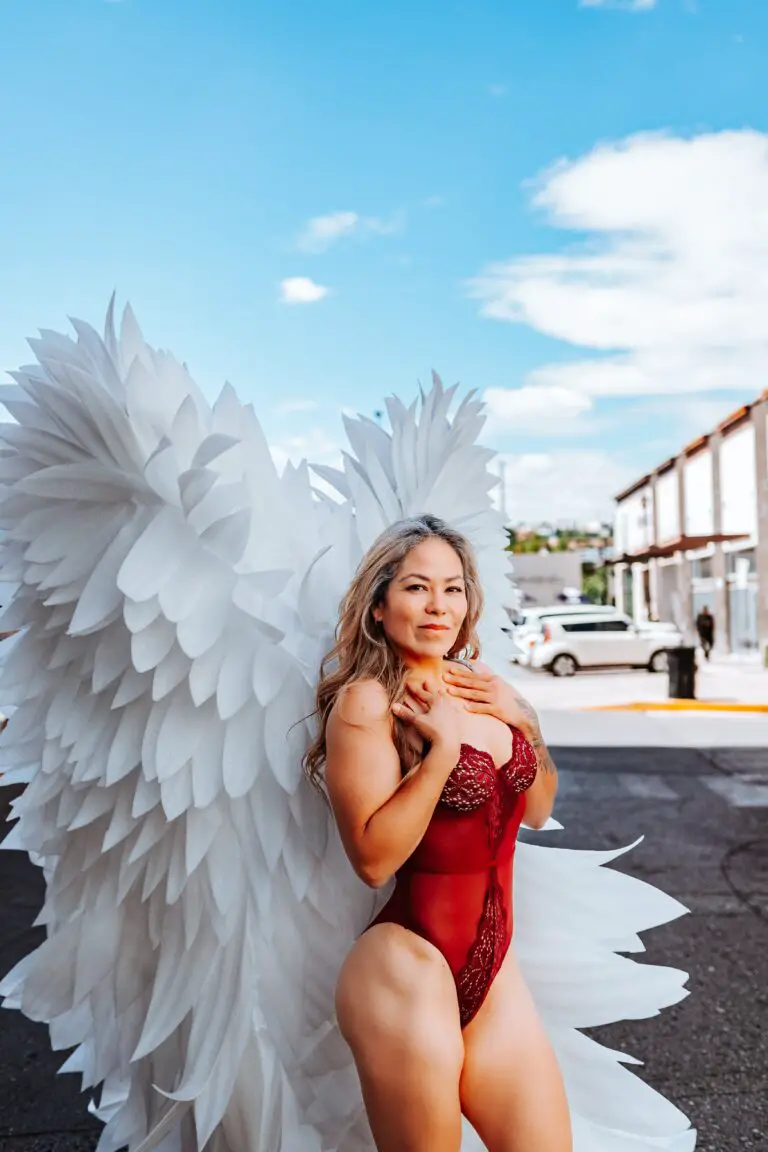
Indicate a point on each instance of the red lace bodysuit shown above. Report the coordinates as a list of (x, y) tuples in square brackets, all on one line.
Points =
[(456, 888)]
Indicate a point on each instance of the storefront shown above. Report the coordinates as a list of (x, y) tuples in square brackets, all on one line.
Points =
[(674, 581), (693, 533), (743, 589)]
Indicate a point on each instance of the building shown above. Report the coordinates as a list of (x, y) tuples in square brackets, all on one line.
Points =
[(541, 577), (695, 531)]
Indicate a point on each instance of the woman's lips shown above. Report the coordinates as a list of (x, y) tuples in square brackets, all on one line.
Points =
[(435, 627)]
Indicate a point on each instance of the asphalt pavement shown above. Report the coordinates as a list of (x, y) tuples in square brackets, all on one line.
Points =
[(704, 814)]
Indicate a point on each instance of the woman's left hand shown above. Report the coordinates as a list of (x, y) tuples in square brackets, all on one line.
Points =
[(487, 693)]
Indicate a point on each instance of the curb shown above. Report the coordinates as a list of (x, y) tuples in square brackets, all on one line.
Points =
[(678, 706)]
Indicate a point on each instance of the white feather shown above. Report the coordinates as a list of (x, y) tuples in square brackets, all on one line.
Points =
[(176, 596)]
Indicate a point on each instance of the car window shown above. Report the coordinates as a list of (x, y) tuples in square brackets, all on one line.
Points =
[(613, 625), (575, 610), (581, 626)]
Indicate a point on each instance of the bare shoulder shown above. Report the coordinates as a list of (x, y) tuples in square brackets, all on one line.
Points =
[(361, 704)]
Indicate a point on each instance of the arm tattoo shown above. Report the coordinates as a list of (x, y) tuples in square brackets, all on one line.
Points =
[(529, 712), (544, 761)]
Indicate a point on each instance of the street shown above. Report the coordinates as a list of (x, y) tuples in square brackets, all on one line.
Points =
[(706, 842), (703, 814)]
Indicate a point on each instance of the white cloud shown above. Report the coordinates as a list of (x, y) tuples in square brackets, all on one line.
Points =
[(566, 486), (553, 411), (659, 372), (380, 227), (321, 232), (301, 290), (626, 5), (678, 419), (556, 412), (671, 286)]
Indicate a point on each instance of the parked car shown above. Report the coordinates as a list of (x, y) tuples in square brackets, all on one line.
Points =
[(527, 631), (568, 642)]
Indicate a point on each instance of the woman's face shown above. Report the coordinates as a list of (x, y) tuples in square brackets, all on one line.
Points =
[(426, 602)]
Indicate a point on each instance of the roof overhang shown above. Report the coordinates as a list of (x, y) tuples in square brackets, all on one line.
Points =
[(680, 544)]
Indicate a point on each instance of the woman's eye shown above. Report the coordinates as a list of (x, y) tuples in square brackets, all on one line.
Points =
[(421, 587)]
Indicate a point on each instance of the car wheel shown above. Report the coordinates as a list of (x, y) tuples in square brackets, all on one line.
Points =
[(659, 662), (563, 665)]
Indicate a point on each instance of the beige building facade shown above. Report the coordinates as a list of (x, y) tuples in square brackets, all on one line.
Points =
[(694, 532)]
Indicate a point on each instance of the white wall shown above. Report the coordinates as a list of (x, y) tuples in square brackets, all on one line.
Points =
[(699, 495), (738, 487), (542, 575), (638, 594), (666, 591), (633, 528), (667, 507)]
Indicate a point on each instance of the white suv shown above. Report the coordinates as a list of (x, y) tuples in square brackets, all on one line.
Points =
[(600, 640), (527, 632)]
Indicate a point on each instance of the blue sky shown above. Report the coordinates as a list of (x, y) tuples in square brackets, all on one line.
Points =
[(559, 205)]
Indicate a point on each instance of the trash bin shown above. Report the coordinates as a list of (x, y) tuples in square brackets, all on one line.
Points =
[(682, 673)]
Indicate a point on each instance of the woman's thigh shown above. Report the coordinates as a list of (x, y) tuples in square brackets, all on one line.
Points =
[(511, 1088), (388, 969), (397, 1009)]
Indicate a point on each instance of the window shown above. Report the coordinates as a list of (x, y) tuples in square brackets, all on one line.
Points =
[(701, 568), (596, 626), (629, 591), (734, 560)]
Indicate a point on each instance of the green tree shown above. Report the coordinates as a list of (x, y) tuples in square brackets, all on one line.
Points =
[(594, 583)]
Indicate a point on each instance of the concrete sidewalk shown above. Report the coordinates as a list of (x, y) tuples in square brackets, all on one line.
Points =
[(721, 682), (623, 709)]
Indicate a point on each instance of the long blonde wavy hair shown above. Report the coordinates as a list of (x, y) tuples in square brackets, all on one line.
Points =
[(362, 650)]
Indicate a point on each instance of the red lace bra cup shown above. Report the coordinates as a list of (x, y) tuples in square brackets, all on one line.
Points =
[(455, 890)]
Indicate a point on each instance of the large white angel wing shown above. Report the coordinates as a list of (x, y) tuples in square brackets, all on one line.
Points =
[(160, 683)]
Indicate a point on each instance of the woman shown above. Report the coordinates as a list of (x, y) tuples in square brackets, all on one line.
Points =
[(198, 908), (430, 766)]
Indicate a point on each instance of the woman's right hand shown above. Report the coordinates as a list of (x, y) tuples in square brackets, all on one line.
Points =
[(433, 713)]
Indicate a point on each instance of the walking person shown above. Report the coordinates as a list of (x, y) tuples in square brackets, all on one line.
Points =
[(705, 626)]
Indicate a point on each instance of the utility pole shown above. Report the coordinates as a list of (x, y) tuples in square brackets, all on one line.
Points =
[(503, 480)]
